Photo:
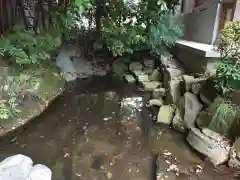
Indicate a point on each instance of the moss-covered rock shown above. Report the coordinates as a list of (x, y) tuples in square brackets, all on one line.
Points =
[(34, 88)]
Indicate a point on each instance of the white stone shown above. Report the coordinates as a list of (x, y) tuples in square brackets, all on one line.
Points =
[(135, 66), (150, 86), (155, 102), (189, 80), (196, 88), (129, 78), (192, 109), (16, 167), (165, 114), (40, 172), (178, 123), (216, 153), (158, 93), (175, 90), (142, 77)]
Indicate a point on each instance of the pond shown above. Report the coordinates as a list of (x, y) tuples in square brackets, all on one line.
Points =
[(99, 128)]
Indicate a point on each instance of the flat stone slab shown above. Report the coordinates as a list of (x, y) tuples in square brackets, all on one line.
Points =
[(129, 78), (150, 86), (216, 151)]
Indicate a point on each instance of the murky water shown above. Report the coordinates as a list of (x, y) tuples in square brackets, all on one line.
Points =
[(100, 129)]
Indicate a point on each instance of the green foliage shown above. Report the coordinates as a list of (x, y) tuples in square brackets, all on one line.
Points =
[(228, 70), (70, 20), (223, 118), (131, 26), (24, 47)]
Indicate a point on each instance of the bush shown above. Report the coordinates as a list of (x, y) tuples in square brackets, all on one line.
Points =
[(144, 25), (228, 70), (24, 47)]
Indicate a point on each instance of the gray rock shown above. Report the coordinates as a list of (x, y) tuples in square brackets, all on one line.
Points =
[(173, 73), (16, 167), (175, 90), (189, 80), (196, 88), (129, 78), (192, 109), (40, 172), (155, 76), (215, 151), (159, 93), (165, 114), (135, 66), (155, 102), (178, 123), (150, 86)]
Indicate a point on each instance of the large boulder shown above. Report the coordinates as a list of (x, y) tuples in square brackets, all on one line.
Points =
[(150, 86), (216, 151), (178, 123), (192, 109), (40, 172), (189, 80), (16, 167), (165, 114), (235, 155), (171, 74)]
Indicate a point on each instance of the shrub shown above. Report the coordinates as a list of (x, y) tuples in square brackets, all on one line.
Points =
[(24, 47), (140, 25), (228, 70)]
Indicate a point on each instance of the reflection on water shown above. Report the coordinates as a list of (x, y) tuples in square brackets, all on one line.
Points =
[(99, 129)]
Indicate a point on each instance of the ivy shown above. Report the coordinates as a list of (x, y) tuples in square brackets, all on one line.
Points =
[(228, 69)]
